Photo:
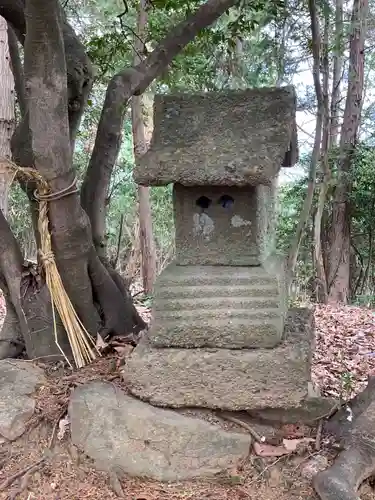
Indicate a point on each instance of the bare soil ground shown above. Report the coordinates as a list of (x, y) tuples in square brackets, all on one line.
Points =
[(344, 358)]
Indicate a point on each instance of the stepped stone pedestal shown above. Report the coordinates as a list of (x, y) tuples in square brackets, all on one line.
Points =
[(228, 379), (221, 336), (219, 306)]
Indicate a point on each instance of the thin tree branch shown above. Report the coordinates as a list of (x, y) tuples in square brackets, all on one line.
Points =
[(316, 43)]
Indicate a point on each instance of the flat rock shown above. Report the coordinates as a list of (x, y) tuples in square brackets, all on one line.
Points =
[(19, 381), (225, 378), (126, 435)]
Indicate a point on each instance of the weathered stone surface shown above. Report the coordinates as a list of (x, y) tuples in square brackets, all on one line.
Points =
[(232, 138), (212, 306), (227, 379), (224, 225), (123, 434), (309, 411), (19, 380)]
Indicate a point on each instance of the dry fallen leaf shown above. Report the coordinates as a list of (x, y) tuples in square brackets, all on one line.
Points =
[(268, 450), (63, 427), (345, 343), (292, 445), (124, 350), (100, 343)]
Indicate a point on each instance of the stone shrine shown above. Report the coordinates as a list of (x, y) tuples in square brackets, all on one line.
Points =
[(221, 336)]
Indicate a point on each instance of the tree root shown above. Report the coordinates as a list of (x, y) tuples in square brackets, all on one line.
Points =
[(339, 425), (119, 315), (357, 462), (342, 480)]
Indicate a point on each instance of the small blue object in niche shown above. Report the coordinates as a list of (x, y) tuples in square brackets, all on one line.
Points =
[(226, 201)]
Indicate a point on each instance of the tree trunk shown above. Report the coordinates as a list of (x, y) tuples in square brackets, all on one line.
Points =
[(7, 118), (148, 251), (316, 40), (11, 343), (365, 289), (339, 258), (337, 73), (322, 291)]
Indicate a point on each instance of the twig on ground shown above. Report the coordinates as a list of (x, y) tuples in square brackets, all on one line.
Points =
[(305, 459), (251, 431), (266, 469), (33, 467), (55, 425), (24, 483), (329, 413), (115, 484), (46, 356), (318, 439)]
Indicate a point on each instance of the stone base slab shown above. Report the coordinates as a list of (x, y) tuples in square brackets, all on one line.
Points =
[(224, 378)]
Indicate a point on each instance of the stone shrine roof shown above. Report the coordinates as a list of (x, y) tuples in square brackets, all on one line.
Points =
[(232, 138)]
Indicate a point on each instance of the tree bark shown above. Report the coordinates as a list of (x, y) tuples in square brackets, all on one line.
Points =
[(17, 70), (129, 82), (147, 244), (322, 292), (78, 65), (339, 257), (15, 327), (316, 41), (337, 73), (11, 343), (13, 12), (7, 118)]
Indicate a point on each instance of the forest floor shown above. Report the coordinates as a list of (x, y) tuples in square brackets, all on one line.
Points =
[(344, 357)]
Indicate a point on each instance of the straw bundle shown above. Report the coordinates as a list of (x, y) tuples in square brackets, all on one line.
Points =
[(82, 344)]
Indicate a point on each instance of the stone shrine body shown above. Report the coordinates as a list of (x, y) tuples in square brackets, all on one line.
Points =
[(221, 335)]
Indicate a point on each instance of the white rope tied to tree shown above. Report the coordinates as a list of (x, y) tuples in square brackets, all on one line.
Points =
[(81, 342)]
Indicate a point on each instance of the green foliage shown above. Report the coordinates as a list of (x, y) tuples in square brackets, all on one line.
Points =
[(362, 199), (291, 198), (362, 195), (19, 219)]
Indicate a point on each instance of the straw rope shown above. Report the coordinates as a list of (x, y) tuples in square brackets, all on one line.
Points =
[(81, 342)]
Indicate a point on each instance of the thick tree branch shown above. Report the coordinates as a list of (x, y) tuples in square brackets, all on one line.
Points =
[(79, 68), (130, 82), (46, 88), (17, 70), (13, 12)]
